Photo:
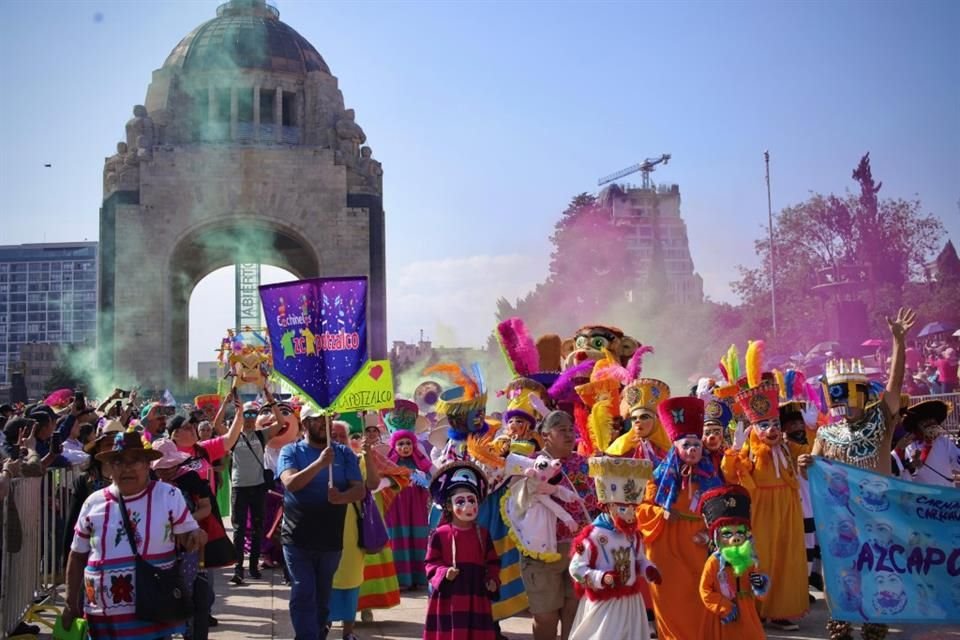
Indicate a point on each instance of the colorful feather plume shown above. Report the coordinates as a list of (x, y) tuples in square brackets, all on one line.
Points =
[(518, 347), (457, 375), (781, 384), (753, 360), (609, 367), (564, 389), (600, 422), (730, 365), (485, 450), (635, 366)]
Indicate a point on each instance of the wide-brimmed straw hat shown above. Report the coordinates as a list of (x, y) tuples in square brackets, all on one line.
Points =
[(129, 441), (109, 430)]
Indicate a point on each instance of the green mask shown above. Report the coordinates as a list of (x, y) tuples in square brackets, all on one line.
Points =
[(740, 557)]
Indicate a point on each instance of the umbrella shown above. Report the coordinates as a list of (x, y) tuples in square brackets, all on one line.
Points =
[(932, 328), (59, 398), (823, 347), (957, 333), (872, 342)]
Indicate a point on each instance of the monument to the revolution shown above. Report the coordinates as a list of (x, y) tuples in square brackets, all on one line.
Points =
[(242, 153)]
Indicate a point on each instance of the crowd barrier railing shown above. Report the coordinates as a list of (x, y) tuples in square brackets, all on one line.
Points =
[(952, 423), (33, 557)]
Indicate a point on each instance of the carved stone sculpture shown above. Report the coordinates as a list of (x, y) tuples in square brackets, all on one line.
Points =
[(140, 130), (370, 169), (120, 171), (349, 138)]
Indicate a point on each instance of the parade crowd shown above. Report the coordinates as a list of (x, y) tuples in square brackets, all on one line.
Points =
[(600, 501)]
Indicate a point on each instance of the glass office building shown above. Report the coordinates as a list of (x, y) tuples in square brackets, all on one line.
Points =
[(48, 294)]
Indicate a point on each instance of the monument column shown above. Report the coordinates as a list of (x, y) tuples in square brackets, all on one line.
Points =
[(278, 114), (256, 113), (234, 113)]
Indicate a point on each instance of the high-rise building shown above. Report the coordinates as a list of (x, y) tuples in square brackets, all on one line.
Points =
[(655, 241), (48, 294)]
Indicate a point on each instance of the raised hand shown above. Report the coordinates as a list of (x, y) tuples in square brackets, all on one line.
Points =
[(732, 616), (900, 325)]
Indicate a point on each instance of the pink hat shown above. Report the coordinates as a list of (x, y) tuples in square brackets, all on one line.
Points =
[(171, 456)]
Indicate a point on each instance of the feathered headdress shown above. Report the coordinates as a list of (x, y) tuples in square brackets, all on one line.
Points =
[(518, 347), (458, 376), (602, 395), (730, 370), (754, 362)]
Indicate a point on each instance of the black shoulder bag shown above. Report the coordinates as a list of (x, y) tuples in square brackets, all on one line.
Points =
[(267, 473), (159, 594)]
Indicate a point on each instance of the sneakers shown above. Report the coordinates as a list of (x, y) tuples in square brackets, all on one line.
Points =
[(24, 629), (255, 573), (784, 625), (237, 578), (350, 636), (366, 616), (211, 621)]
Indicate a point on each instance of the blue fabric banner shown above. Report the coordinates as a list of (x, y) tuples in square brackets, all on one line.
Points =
[(891, 548), (318, 333)]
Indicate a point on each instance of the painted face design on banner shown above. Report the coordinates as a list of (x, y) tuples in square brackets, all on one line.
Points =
[(889, 598), (290, 431), (872, 495), (464, 505), (851, 594), (846, 541)]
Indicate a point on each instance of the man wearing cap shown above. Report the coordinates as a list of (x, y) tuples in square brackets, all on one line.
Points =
[(152, 420), (249, 484), (936, 457), (314, 507), (51, 452)]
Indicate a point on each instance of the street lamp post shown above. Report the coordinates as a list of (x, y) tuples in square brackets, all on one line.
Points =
[(773, 283)]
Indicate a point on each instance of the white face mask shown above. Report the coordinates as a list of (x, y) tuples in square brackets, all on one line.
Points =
[(465, 506)]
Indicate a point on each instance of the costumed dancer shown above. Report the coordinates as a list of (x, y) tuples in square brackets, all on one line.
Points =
[(464, 407), (936, 457), (406, 518), (766, 467), (798, 419), (462, 563), (345, 596), (717, 416), (271, 550), (644, 436), (861, 434), (731, 577), (609, 563), (668, 519), (380, 589)]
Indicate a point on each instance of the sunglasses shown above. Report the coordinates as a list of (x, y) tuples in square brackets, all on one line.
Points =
[(249, 414)]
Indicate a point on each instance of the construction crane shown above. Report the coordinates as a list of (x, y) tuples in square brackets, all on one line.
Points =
[(645, 167)]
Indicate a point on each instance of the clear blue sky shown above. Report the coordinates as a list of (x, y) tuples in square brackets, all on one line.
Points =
[(489, 116)]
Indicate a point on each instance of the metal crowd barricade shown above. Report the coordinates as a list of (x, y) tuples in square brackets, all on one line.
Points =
[(952, 423), (30, 576), (20, 557)]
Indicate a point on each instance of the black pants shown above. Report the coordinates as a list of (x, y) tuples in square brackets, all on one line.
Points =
[(244, 500)]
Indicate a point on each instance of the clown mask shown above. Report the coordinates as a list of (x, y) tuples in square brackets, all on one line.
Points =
[(464, 505), (404, 448), (643, 422), (689, 449), (518, 428), (769, 431), (624, 516), (713, 437)]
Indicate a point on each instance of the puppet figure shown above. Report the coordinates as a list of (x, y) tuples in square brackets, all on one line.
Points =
[(609, 563), (731, 577)]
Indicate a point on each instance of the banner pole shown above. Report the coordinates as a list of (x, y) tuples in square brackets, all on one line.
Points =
[(326, 424)]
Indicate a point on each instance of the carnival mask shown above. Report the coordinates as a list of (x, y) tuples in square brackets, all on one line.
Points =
[(769, 431), (404, 448), (624, 516), (843, 396), (290, 430), (518, 428), (643, 422), (464, 505), (736, 547), (713, 437), (689, 449)]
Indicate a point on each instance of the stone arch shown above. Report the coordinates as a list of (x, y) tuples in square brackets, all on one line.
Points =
[(230, 240)]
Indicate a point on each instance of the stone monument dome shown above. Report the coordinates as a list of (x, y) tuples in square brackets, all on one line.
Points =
[(243, 153), (246, 34)]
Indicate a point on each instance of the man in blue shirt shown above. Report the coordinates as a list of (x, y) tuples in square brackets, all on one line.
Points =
[(313, 516)]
